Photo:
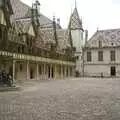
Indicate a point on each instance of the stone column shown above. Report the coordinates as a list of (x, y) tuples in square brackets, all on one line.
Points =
[(14, 70), (28, 71), (61, 76), (44, 70), (68, 71), (37, 71), (50, 71), (65, 72), (55, 71)]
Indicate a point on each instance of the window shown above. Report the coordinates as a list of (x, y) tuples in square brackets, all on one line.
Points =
[(100, 44), (100, 56), (89, 58), (112, 55)]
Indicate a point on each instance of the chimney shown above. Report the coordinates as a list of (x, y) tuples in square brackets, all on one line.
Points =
[(86, 36), (58, 21)]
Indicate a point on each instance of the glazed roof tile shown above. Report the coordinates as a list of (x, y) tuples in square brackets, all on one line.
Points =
[(75, 21)]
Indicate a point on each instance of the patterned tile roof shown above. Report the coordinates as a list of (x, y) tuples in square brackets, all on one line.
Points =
[(47, 37), (23, 11), (75, 22), (108, 38), (19, 9), (22, 16)]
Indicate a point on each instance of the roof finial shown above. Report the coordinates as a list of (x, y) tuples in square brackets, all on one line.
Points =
[(97, 29), (75, 4)]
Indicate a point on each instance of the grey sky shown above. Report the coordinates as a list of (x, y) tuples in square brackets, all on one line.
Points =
[(104, 14)]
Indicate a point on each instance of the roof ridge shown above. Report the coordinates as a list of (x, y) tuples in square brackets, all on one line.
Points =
[(108, 29)]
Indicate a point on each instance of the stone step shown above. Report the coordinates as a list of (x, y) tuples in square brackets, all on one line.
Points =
[(7, 89)]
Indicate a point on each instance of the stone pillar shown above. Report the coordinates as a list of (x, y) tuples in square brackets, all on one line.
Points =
[(65, 72), (50, 71), (44, 70), (28, 71), (55, 71), (37, 71), (68, 71), (61, 76), (14, 70)]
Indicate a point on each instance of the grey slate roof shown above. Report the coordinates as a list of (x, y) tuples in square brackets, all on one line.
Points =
[(109, 38), (75, 22)]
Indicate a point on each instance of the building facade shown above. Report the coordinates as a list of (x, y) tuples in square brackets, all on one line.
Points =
[(33, 47), (102, 54)]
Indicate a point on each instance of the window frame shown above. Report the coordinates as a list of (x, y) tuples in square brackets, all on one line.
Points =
[(112, 56), (89, 56), (100, 56)]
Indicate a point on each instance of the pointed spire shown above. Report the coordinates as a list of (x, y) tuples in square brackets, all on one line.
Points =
[(97, 29), (75, 21), (75, 4)]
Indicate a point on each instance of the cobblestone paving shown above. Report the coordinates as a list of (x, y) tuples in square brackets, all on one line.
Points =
[(73, 99)]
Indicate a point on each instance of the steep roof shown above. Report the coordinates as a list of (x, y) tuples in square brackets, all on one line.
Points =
[(110, 37), (75, 21), (47, 37), (23, 11), (22, 14)]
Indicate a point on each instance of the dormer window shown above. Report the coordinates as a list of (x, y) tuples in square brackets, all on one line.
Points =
[(100, 43), (113, 36), (112, 44)]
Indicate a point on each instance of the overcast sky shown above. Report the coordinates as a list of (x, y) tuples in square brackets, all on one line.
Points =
[(104, 14)]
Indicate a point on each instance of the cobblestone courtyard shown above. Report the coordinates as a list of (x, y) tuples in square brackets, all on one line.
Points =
[(74, 99)]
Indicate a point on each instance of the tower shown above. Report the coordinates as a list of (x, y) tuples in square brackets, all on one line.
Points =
[(77, 31)]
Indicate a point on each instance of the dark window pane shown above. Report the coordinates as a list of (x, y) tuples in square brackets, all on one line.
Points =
[(89, 58), (100, 56), (112, 55)]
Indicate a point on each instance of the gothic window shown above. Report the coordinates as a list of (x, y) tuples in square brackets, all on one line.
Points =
[(112, 55), (89, 56), (100, 56)]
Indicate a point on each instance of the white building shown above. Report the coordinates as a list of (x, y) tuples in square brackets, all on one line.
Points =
[(102, 54)]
